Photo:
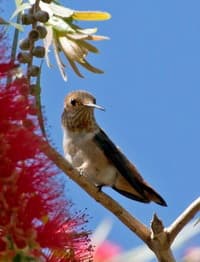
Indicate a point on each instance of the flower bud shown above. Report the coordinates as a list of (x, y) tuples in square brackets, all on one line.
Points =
[(38, 51), (24, 44), (24, 57), (42, 31), (33, 70), (41, 16), (31, 10), (27, 19), (33, 35)]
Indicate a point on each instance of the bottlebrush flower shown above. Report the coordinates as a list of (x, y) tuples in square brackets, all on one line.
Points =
[(192, 254), (106, 251), (35, 220)]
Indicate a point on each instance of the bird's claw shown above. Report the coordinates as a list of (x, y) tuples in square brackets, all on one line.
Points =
[(99, 187), (81, 171)]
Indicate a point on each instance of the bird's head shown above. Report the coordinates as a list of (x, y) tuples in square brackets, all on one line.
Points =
[(80, 100), (79, 110)]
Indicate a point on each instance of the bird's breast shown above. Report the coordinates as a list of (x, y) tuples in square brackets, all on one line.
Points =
[(81, 151)]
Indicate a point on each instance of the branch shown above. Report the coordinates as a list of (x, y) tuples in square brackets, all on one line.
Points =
[(159, 243), (126, 218), (182, 220), (158, 239)]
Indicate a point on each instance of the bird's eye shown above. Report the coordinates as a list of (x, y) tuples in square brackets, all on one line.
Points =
[(73, 102)]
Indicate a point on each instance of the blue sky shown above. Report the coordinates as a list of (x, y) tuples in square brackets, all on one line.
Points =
[(151, 90)]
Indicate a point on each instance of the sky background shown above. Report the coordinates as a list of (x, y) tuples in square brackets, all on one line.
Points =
[(151, 92)]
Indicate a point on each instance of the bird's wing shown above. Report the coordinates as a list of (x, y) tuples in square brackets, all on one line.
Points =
[(143, 191), (119, 160)]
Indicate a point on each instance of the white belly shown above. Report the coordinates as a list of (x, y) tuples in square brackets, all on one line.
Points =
[(88, 159)]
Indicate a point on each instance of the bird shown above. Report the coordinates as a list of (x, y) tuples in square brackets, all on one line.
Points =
[(93, 154)]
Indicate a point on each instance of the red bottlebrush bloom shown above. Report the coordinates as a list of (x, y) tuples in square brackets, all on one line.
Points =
[(192, 254), (106, 251), (35, 219)]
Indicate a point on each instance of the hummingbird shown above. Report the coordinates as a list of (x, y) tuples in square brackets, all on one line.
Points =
[(89, 149)]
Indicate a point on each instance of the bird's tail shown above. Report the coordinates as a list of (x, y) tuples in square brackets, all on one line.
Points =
[(146, 194), (152, 195)]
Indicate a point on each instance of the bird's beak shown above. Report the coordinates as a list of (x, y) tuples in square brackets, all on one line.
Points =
[(95, 106)]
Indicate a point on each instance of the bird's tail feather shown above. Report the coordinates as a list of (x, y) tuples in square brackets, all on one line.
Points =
[(152, 195), (149, 195)]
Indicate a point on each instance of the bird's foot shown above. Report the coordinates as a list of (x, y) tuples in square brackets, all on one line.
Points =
[(81, 171), (99, 187)]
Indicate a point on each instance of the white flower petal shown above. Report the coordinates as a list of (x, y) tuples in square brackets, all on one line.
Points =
[(71, 49), (59, 24), (60, 64), (47, 43), (61, 11), (87, 31)]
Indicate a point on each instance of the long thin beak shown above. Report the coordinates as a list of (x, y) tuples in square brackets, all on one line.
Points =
[(95, 106)]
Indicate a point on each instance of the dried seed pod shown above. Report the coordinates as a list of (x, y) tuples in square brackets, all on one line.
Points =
[(24, 44), (33, 35), (38, 51), (42, 31), (41, 16), (33, 70), (24, 57), (27, 19), (47, 1), (31, 10)]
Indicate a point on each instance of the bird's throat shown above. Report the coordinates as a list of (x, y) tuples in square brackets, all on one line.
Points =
[(82, 120)]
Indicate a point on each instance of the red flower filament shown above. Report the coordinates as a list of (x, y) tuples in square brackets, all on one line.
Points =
[(35, 220)]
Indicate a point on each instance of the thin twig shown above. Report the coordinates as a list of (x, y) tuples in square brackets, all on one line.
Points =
[(182, 220), (15, 40), (14, 47)]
